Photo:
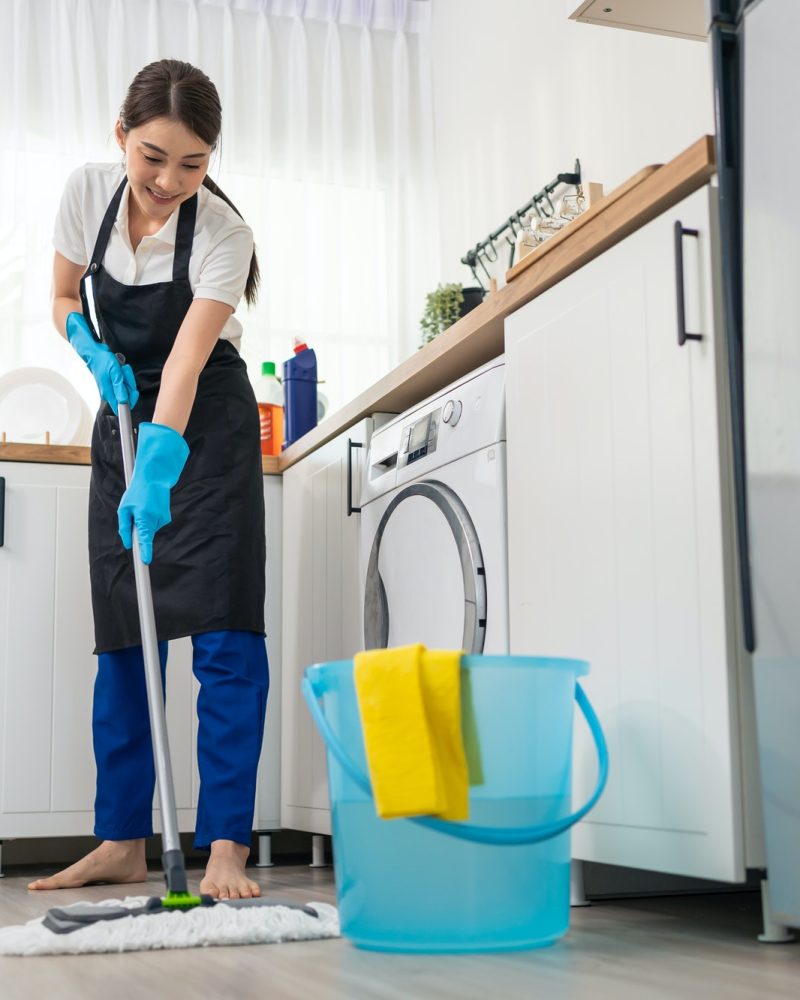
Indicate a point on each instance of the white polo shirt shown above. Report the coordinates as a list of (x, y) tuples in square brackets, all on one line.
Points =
[(221, 251)]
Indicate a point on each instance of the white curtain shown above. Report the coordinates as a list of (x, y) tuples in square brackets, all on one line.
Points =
[(326, 150)]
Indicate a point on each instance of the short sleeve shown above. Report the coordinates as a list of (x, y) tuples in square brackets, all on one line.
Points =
[(223, 274), (68, 235)]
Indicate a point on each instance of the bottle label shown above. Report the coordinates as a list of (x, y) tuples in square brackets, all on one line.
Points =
[(271, 420)]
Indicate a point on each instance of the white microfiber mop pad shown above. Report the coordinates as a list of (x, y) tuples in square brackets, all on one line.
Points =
[(197, 928)]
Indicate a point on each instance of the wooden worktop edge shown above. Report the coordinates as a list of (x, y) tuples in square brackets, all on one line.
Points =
[(53, 454), (478, 336), (62, 454)]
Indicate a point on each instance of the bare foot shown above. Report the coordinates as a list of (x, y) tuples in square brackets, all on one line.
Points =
[(225, 877), (120, 861)]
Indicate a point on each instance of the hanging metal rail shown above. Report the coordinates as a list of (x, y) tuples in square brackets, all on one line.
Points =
[(539, 203)]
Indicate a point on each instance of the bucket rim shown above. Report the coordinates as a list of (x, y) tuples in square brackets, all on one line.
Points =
[(471, 661)]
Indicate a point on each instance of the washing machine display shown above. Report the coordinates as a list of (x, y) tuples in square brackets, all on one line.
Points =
[(419, 438), (433, 522)]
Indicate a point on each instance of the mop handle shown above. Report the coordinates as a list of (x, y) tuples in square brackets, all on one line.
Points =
[(173, 863)]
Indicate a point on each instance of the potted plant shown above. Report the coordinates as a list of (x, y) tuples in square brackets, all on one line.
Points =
[(444, 306)]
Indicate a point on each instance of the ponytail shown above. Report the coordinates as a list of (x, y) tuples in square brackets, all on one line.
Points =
[(254, 274)]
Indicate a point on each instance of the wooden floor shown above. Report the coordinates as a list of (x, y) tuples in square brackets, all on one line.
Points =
[(676, 947)]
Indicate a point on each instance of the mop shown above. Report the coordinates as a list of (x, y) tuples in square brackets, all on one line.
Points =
[(179, 919)]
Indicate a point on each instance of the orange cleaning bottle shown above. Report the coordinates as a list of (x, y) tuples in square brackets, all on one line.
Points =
[(269, 397)]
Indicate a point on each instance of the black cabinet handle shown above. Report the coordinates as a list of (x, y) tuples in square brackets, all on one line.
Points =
[(350, 508), (680, 231), (2, 510)]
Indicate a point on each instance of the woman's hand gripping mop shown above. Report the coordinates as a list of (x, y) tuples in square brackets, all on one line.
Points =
[(185, 920)]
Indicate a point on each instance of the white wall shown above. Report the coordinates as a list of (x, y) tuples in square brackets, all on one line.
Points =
[(520, 91)]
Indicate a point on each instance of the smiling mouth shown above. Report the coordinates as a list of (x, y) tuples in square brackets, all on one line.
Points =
[(161, 199)]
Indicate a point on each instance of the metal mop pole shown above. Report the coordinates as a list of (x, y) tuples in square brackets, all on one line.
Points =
[(172, 857)]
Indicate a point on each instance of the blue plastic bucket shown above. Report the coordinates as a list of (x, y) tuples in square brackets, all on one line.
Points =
[(498, 882)]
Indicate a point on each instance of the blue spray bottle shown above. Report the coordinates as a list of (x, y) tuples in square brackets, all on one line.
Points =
[(299, 393)]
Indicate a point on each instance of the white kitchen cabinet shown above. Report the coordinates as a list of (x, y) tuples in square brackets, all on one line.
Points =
[(323, 608), (621, 546), (46, 662), (47, 667)]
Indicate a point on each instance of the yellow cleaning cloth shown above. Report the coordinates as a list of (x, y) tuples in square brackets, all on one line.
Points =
[(409, 699)]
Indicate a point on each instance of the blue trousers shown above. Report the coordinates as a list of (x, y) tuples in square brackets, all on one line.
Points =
[(233, 672)]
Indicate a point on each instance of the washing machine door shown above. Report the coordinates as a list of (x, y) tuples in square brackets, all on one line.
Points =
[(425, 579)]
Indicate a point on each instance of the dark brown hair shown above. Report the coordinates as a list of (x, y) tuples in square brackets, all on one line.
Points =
[(182, 93)]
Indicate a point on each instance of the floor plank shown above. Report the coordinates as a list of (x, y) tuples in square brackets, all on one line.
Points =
[(665, 947)]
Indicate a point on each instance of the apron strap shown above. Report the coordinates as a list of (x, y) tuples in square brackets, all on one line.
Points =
[(183, 240), (105, 229)]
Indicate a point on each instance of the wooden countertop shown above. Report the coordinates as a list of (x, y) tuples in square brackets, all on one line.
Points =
[(62, 454), (478, 336)]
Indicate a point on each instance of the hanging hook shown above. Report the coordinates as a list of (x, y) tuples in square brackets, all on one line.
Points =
[(489, 242), (512, 251), (544, 196), (485, 269)]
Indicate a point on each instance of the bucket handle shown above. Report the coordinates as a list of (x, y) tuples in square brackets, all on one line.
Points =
[(466, 831)]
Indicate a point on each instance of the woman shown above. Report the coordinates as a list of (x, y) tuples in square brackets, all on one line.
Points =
[(170, 258)]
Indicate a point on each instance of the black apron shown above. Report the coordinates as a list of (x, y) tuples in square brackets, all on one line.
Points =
[(207, 572)]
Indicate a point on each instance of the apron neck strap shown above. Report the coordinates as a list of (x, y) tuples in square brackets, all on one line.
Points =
[(183, 240), (105, 228), (184, 236)]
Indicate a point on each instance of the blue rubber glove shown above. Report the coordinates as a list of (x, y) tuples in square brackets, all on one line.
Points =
[(116, 382), (160, 458)]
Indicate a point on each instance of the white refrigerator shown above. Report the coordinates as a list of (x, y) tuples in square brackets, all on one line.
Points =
[(757, 81)]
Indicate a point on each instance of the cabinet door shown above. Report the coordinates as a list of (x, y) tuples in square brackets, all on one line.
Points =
[(322, 617), (268, 791), (46, 662), (619, 534)]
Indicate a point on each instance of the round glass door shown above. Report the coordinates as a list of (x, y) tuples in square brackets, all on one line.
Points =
[(425, 579)]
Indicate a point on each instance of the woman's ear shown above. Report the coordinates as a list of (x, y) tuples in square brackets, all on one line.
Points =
[(119, 135)]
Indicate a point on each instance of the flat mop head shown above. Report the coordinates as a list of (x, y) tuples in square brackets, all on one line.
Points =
[(138, 924)]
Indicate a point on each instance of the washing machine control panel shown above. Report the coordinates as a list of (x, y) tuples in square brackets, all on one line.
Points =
[(419, 438)]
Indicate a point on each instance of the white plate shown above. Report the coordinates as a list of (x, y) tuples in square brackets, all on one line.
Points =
[(36, 400)]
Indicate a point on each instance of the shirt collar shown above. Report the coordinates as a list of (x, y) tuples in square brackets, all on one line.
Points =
[(166, 234)]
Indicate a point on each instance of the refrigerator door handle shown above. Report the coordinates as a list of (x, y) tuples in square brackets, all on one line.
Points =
[(680, 231)]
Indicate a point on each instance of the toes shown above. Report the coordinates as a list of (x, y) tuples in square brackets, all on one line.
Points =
[(210, 889), (44, 883)]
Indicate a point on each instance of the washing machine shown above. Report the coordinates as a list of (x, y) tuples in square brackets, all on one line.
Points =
[(433, 521)]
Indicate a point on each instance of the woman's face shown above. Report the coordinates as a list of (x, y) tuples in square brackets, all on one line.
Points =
[(165, 163)]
